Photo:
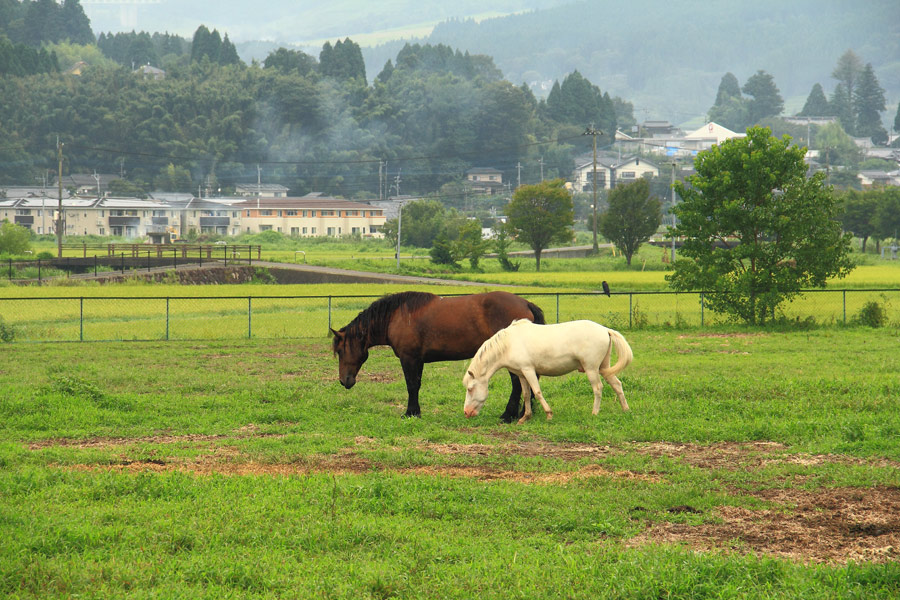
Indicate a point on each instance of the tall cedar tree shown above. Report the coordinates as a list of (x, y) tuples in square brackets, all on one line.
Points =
[(816, 103), (868, 103), (756, 230)]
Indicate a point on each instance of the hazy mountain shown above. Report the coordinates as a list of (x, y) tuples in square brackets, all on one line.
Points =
[(667, 58)]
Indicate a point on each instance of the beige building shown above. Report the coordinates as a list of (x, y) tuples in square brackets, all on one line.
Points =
[(310, 216)]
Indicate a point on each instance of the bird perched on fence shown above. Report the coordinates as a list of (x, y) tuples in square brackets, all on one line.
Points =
[(605, 287)]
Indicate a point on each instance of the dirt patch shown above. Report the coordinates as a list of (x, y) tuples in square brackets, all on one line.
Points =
[(829, 525)]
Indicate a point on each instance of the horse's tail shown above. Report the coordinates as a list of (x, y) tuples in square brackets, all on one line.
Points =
[(537, 312), (623, 350)]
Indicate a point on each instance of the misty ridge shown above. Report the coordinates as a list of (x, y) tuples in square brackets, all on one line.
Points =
[(666, 58)]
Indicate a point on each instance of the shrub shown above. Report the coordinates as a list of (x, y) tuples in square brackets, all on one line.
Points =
[(872, 314)]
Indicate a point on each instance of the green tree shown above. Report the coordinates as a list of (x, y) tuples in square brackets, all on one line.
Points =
[(868, 103), (470, 244), (632, 217), (541, 214), (859, 213), (728, 88), (816, 103), (14, 239), (887, 214), (766, 100), (836, 147), (287, 61), (757, 231)]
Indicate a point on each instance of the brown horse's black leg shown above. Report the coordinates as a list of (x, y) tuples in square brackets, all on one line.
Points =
[(412, 371), (513, 412)]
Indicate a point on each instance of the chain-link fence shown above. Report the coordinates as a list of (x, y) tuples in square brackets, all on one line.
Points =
[(211, 318)]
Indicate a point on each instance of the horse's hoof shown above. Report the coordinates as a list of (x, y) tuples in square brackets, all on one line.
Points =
[(412, 416), (550, 416), (507, 418)]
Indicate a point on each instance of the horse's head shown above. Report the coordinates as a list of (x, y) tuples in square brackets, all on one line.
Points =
[(476, 393), (351, 353)]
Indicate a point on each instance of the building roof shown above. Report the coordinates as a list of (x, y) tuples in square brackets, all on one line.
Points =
[(483, 171), (713, 131), (303, 202), (263, 187)]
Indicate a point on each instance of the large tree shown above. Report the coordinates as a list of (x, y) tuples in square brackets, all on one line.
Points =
[(756, 230), (541, 215), (766, 100), (816, 103), (632, 217), (868, 103), (859, 213)]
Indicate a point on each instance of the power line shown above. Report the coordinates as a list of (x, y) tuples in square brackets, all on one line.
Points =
[(173, 157)]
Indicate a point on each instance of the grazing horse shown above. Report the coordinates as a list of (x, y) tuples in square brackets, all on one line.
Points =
[(530, 350), (422, 328)]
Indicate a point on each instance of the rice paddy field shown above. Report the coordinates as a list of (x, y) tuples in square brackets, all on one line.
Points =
[(193, 441)]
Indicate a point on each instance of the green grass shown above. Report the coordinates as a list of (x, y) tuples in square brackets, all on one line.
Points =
[(320, 491)]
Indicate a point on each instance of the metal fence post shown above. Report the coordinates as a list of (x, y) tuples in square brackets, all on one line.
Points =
[(329, 313), (844, 292), (95, 265), (167, 318), (557, 308), (175, 258), (249, 317), (123, 263), (81, 320), (701, 308), (39, 271), (630, 296)]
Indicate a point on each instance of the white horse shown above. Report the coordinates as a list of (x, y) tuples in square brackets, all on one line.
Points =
[(530, 350)]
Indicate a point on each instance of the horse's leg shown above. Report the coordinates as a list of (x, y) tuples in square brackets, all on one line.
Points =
[(531, 378), (596, 385), (512, 411), (526, 398), (617, 387), (412, 371), (512, 406)]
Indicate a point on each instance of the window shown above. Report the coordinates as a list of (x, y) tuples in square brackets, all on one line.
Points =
[(313, 231), (295, 231), (327, 213), (352, 213), (304, 231), (628, 175), (23, 211), (290, 213), (330, 232), (265, 228), (265, 213), (159, 213)]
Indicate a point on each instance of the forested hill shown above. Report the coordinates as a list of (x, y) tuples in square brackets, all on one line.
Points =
[(668, 57)]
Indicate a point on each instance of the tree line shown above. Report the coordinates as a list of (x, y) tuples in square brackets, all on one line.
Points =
[(857, 100), (311, 123)]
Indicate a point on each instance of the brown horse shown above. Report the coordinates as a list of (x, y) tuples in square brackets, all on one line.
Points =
[(423, 328)]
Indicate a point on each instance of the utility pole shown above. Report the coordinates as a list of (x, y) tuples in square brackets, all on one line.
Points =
[(673, 212), (594, 133), (519, 175), (380, 180), (542, 168), (59, 212)]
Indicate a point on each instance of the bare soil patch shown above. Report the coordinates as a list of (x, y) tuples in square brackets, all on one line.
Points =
[(832, 525), (829, 525)]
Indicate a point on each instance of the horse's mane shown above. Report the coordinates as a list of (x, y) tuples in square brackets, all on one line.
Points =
[(371, 324), (490, 350)]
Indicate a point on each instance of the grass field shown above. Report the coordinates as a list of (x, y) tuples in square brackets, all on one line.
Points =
[(752, 464)]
